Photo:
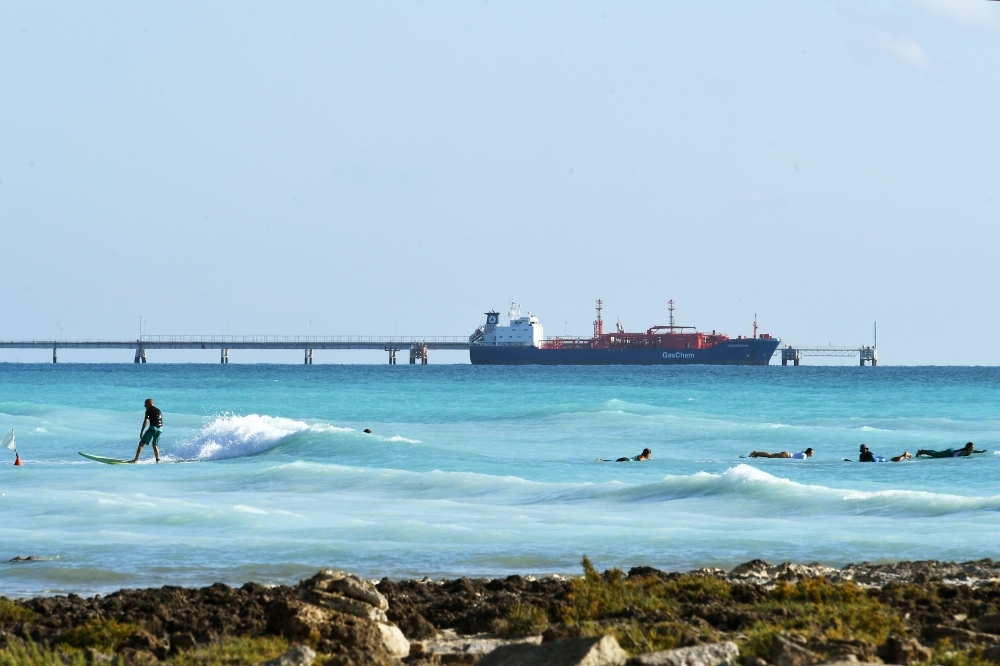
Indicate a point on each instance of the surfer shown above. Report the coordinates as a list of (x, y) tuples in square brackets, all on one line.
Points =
[(868, 456), (966, 450), (645, 455), (798, 455), (154, 419)]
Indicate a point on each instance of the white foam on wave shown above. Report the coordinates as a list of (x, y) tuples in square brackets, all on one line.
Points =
[(748, 483), (400, 438), (231, 436)]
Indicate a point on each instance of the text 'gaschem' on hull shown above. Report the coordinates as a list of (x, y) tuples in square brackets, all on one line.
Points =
[(522, 342)]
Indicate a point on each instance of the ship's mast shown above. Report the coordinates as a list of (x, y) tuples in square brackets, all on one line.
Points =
[(670, 305), (599, 323), (754, 325)]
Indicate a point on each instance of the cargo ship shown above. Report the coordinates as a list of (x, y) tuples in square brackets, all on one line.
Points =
[(523, 342)]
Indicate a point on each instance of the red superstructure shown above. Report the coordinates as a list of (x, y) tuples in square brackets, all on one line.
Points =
[(670, 336)]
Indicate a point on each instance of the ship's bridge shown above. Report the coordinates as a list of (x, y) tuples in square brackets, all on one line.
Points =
[(521, 330)]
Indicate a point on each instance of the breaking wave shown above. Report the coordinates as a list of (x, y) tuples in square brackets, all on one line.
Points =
[(747, 484), (231, 436)]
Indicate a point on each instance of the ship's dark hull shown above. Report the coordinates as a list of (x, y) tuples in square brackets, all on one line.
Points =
[(744, 351)]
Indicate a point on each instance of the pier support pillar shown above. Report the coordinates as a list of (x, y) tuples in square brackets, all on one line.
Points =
[(309, 357), (869, 354), (423, 355), (413, 355), (790, 354), (140, 355), (54, 359), (392, 357), (224, 357)]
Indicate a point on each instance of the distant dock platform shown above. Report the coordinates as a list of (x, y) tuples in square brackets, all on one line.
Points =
[(418, 346), (795, 353)]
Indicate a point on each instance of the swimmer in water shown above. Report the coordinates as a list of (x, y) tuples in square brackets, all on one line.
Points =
[(868, 456), (798, 455), (963, 452), (645, 455)]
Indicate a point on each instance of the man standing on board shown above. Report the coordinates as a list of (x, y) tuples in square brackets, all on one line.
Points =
[(154, 419)]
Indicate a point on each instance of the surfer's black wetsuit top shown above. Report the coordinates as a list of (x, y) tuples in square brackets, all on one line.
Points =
[(867, 456), (155, 417)]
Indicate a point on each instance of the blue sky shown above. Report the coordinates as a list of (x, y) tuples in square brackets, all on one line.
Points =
[(370, 167)]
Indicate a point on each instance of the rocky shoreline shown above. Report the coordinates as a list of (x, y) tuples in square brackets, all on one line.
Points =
[(786, 615)]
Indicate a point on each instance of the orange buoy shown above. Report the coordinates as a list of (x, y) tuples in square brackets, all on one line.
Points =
[(17, 460)]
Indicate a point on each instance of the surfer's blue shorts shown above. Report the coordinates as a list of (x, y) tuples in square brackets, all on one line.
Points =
[(151, 436)]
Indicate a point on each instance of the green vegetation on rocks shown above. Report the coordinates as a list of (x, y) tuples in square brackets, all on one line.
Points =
[(233, 652), (101, 635), (644, 612), (240, 651), (12, 613)]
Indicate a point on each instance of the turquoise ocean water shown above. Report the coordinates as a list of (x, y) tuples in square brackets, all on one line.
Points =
[(483, 470)]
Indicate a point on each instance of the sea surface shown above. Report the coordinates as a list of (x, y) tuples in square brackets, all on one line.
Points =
[(268, 474)]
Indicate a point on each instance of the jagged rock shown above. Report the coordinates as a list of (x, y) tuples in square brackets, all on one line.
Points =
[(352, 641), (133, 657), (348, 585), (989, 623), (712, 654), (394, 641), (841, 650), (345, 593), (300, 655), (181, 642), (591, 651), (785, 651), (8, 640), (347, 605), (143, 641), (298, 621), (903, 651), (992, 654), (355, 588), (96, 657), (957, 635), (452, 649)]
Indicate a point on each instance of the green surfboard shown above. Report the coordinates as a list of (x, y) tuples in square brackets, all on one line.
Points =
[(102, 459)]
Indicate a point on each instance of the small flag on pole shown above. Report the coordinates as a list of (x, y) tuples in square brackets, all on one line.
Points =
[(9, 441)]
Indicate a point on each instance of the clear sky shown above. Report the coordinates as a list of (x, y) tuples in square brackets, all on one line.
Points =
[(360, 168)]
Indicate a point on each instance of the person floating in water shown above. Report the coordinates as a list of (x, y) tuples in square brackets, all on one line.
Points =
[(798, 455), (868, 456), (645, 455), (154, 419), (966, 450)]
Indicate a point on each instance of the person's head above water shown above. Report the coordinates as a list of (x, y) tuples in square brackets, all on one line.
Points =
[(646, 453), (808, 452), (864, 447), (149, 402), (969, 446)]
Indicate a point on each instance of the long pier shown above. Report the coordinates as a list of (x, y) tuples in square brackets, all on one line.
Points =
[(418, 346)]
